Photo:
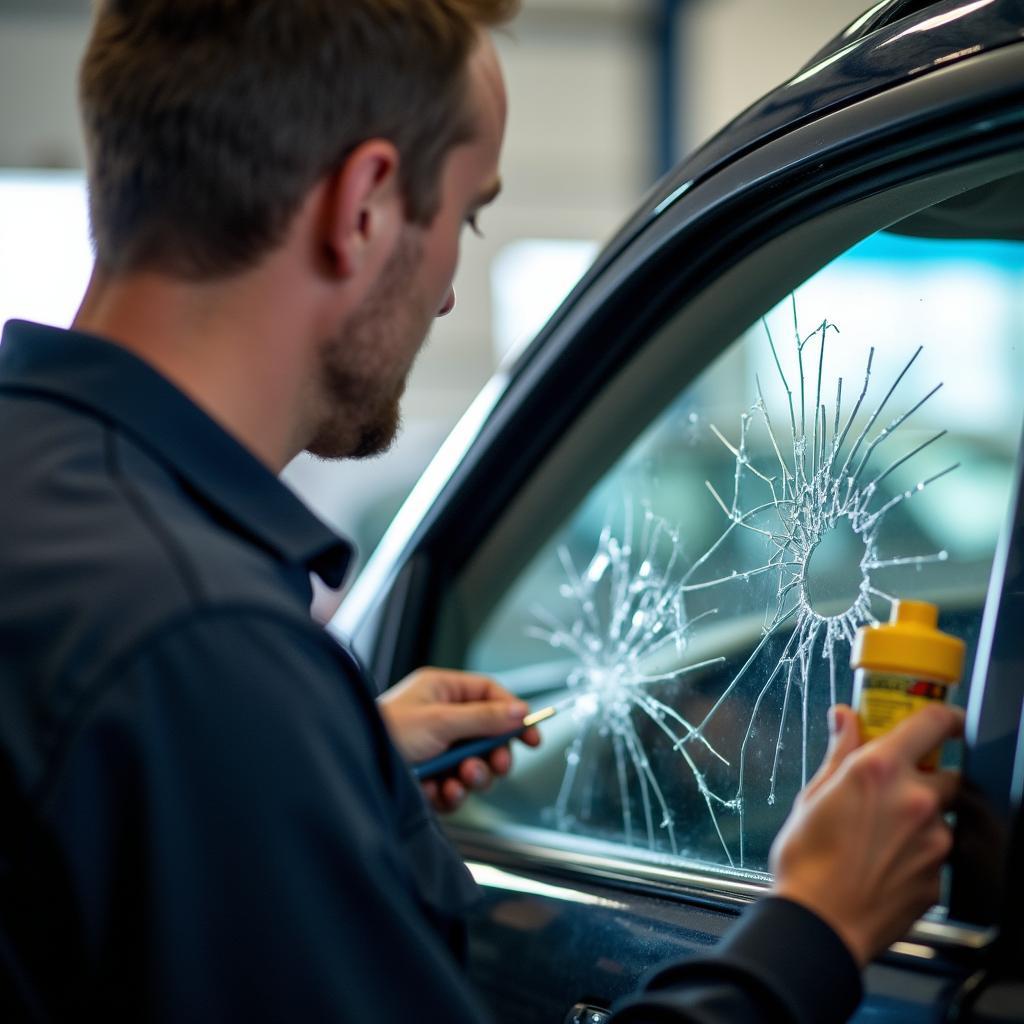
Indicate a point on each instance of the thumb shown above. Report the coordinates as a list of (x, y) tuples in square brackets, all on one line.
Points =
[(479, 718), (844, 739)]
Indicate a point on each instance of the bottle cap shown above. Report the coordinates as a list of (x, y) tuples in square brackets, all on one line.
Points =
[(910, 643)]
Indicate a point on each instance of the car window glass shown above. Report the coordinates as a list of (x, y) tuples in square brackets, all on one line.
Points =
[(692, 618)]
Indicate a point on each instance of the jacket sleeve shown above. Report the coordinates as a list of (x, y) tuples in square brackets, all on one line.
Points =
[(226, 817), (226, 813), (780, 964)]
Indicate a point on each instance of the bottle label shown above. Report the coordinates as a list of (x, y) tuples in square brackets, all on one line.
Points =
[(885, 700)]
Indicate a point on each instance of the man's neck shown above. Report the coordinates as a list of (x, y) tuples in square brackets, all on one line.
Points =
[(235, 353)]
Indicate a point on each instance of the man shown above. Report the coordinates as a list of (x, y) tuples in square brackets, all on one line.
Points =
[(205, 816)]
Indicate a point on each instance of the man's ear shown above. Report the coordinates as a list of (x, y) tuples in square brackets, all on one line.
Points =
[(363, 210)]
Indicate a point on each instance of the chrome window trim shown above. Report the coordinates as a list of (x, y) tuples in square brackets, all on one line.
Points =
[(685, 881), (518, 858)]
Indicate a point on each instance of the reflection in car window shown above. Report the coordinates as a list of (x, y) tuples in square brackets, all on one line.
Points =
[(692, 619)]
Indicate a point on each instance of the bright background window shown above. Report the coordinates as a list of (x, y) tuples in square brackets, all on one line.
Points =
[(45, 254)]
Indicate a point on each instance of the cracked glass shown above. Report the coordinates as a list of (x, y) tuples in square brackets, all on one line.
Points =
[(691, 619)]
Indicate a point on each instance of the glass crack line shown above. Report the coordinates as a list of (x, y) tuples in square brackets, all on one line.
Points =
[(628, 633), (817, 482)]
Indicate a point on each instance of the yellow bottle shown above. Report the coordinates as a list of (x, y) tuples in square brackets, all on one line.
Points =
[(901, 666)]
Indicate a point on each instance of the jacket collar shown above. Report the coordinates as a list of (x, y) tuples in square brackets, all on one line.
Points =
[(116, 386)]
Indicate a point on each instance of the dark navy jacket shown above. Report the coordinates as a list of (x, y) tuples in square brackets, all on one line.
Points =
[(201, 815)]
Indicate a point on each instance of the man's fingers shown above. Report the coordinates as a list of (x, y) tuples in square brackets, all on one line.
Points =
[(531, 737), (946, 784), (843, 740), (452, 793), (921, 733), (474, 773), (466, 686), (480, 718), (500, 761)]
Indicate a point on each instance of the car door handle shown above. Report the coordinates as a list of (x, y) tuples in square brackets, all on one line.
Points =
[(584, 1013)]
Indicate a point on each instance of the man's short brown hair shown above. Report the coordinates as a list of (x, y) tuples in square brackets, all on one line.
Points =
[(208, 121)]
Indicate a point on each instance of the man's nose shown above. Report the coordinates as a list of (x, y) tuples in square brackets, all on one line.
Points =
[(449, 303)]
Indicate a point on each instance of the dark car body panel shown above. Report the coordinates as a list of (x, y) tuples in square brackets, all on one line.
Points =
[(623, 941)]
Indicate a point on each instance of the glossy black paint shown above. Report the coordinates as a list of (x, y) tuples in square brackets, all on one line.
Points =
[(618, 941)]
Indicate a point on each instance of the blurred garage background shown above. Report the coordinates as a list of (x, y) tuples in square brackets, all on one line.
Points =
[(605, 96)]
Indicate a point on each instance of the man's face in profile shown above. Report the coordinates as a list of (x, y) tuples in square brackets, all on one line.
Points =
[(365, 367)]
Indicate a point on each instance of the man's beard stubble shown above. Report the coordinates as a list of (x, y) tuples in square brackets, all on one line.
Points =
[(362, 391)]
